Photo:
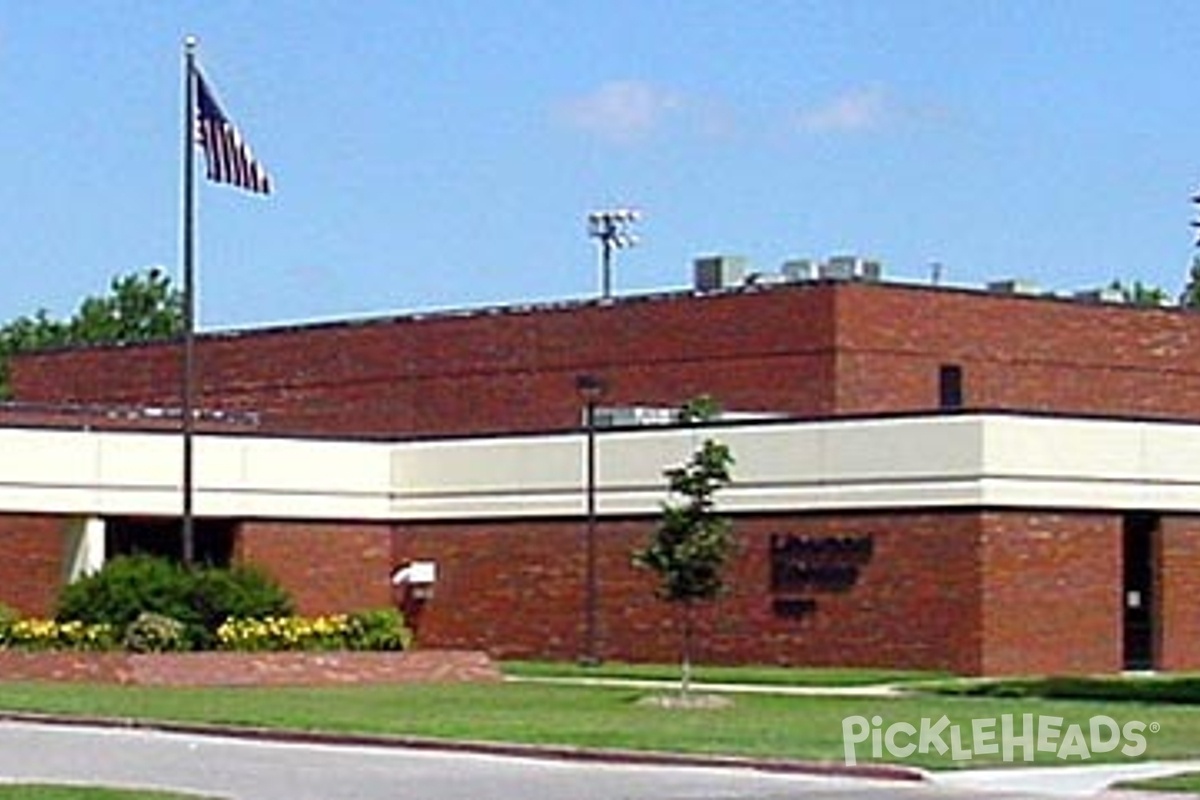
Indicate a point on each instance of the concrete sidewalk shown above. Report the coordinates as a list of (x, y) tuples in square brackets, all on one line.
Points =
[(1069, 781), (874, 690)]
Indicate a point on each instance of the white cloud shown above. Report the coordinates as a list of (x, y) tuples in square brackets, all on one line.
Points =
[(622, 112), (858, 110)]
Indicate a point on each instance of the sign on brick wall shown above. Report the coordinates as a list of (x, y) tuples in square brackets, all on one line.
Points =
[(805, 567)]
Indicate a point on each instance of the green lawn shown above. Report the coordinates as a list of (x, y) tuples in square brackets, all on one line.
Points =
[(1168, 688), (760, 725), (40, 791), (1183, 782), (762, 676)]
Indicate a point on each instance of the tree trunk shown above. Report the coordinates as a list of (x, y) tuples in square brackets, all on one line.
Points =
[(685, 682)]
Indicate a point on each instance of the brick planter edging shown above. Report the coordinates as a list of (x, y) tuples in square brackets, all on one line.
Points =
[(249, 669)]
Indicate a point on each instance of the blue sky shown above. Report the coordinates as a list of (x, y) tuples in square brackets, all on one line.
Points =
[(445, 154)]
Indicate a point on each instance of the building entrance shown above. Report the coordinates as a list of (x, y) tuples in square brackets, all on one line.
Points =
[(1141, 532)]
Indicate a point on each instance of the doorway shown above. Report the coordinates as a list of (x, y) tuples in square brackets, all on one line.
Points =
[(1139, 555)]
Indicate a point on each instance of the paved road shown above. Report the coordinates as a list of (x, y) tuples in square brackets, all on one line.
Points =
[(252, 770)]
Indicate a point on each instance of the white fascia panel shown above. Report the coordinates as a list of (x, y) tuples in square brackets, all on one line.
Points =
[(500, 465)]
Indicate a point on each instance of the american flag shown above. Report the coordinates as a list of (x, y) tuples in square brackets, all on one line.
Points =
[(228, 158)]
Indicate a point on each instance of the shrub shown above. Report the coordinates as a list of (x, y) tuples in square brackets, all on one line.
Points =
[(241, 592), (284, 633), (367, 630), (7, 618), (200, 599), (154, 633), (123, 589), (379, 629), (47, 634)]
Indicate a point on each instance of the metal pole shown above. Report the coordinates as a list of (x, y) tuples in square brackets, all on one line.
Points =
[(189, 295), (606, 266), (591, 655)]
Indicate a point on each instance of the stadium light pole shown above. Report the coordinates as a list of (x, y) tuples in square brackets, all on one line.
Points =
[(591, 389), (610, 228)]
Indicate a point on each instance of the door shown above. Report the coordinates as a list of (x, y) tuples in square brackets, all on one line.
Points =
[(1140, 624)]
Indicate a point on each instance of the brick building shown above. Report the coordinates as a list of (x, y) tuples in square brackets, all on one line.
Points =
[(977, 481)]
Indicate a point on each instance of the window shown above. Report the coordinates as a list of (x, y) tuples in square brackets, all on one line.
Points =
[(950, 386)]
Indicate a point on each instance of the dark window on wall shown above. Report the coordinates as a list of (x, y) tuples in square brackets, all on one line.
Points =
[(160, 536), (950, 386)]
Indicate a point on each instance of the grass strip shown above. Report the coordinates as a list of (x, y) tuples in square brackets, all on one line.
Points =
[(1182, 782), (761, 726), (45, 791), (1182, 689)]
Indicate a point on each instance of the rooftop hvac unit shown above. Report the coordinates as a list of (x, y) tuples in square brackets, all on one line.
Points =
[(714, 273), (799, 269), (1014, 286), (850, 268), (1107, 294)]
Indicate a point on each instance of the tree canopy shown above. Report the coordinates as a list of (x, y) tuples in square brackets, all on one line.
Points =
[(138, 307)]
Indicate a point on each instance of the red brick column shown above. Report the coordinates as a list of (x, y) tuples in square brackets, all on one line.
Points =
[(1052, 593), (1179, 593), (32, 571)]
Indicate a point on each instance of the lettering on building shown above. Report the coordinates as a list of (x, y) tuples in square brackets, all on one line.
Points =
[(805, 566)]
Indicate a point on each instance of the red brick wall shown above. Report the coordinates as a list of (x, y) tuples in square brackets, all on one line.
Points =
[(993, 593), (517, 590), (1179, 593), (1052, 593), (808, 350), (490, 371), (33, 567), (1016, 352), (327, 567)]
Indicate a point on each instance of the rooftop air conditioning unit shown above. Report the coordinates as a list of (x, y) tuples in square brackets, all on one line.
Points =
[(799, 269), (851, 268), (1107, 294), (839, 268), (713, 273), (1014, 286)]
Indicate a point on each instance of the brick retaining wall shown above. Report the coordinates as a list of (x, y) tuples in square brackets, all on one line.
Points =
[(249, 669)]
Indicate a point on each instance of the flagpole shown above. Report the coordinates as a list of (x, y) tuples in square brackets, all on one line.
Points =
[(188, 387)]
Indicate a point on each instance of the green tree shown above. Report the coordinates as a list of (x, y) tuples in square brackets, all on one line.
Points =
[(702, 408), (1190, 296), (692, 542), (139, 307), (1141, 294)]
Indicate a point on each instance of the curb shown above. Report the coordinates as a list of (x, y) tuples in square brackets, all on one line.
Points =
[(887, 772)]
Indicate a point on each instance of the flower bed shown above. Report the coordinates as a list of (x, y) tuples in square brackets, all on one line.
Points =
[(218, 668)]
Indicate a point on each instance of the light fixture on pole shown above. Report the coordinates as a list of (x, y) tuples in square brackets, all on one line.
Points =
[(591, 389), (611, 229)]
